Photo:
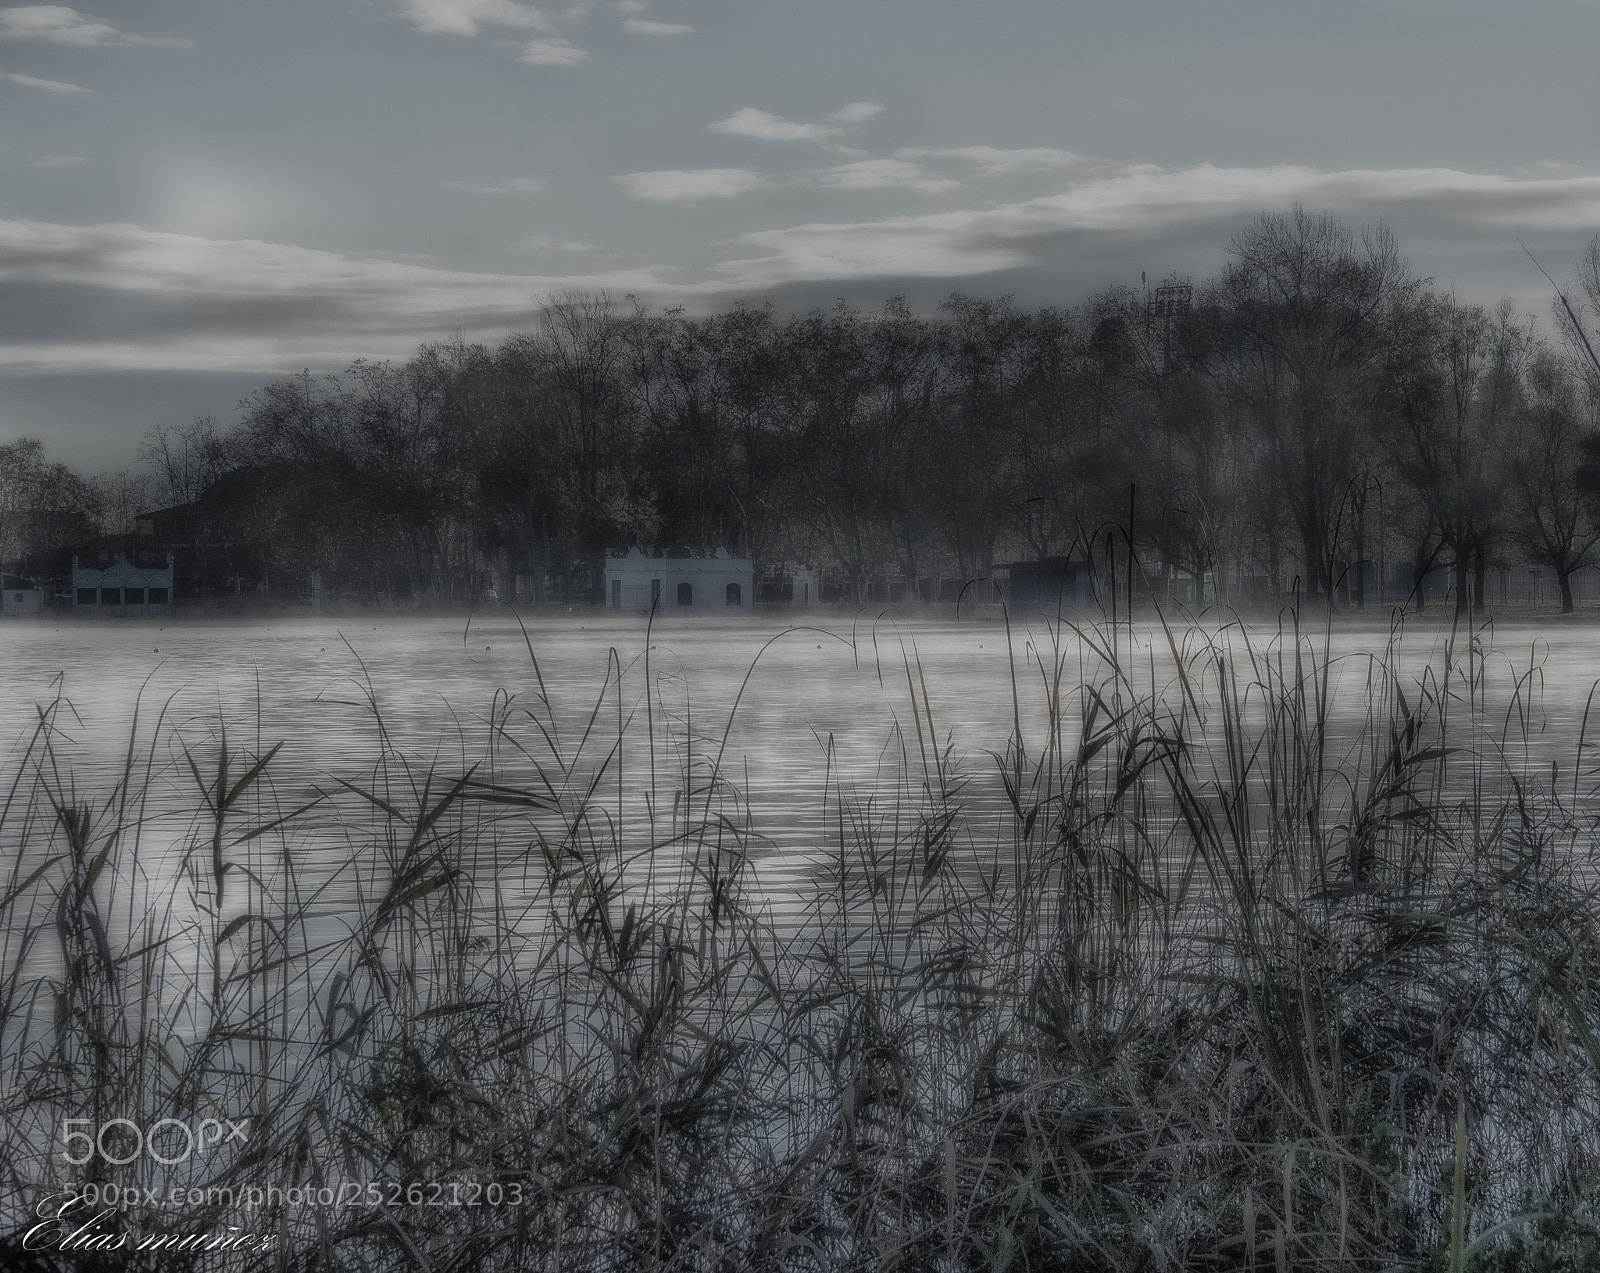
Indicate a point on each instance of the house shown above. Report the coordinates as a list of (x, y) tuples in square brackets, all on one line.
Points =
[(710, 583), (19, 597), (123, 588), (796, 587)]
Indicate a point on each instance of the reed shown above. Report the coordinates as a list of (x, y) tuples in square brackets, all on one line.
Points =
[(1269, 961)]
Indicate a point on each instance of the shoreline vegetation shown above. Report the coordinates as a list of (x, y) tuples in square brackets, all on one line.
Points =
[(1218, 986), (1315, 422)]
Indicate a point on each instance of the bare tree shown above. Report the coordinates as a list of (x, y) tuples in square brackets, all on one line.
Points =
[(1552, 457), (1306, 302), (1454, 376)]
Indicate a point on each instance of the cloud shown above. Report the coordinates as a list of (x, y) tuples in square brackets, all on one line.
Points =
[(110, 297), (1160, 205), (765, 126), (49, 86), (636, 26), (552, 53), (468, 17), (58, 161), (544, 242), (58, 24), (992, 161), (751, 121), (689, 185), (511, 185), (854, 113), (882, 174)]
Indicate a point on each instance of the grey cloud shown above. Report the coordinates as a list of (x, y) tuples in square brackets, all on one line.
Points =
[(552, 53), (882, 174), (57, 24), (469, 17), (996, 161), (129, 298), (689, 185), (637, 26), (48, 86), (1150, 201), (752, 121)]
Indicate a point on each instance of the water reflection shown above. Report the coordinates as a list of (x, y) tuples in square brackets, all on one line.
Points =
[(851, 703)]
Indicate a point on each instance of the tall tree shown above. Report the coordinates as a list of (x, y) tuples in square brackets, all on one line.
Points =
[(1307, 302)]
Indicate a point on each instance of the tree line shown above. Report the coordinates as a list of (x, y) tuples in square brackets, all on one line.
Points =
[(1312, 413)]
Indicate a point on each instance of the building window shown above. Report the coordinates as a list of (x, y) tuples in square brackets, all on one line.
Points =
[(86, 596), (616, 594), (685, 594), (133, 597), (805, 594), (655, 594), (735, 595), (158, 596), (111, 596), (17, 597)]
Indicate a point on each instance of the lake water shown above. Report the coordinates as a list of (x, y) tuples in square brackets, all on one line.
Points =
[(819, 705)]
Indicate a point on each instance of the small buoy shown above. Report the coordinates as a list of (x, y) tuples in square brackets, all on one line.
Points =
[(488, 647), (819, 647), (157, 650), (322, 649)]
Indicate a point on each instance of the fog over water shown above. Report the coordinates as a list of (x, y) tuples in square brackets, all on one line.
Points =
[(821, 706)]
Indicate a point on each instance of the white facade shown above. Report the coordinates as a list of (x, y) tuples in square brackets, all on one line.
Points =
[(805, 583), (122, 588), (21, 602), (713, 584)]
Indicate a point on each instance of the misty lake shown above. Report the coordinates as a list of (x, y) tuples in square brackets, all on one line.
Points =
[(820, 705)]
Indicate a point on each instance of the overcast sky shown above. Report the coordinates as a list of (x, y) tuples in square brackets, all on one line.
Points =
[(198, 195)]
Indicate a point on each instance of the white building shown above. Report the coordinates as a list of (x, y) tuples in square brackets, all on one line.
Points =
[(18, 602), (123, 588), (712, 584)]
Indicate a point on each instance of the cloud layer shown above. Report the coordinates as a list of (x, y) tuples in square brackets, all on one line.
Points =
[(1153, 203), (120, 297)]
